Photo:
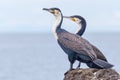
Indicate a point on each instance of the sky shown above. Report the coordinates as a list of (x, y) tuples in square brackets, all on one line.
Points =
[(28, 16)]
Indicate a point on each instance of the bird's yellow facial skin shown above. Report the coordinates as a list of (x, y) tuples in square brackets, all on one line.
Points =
[(52, 11), (76, 20), (73, 19), (56, 11)]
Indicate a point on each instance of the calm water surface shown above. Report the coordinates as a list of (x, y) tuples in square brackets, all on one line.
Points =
[(38, 56)]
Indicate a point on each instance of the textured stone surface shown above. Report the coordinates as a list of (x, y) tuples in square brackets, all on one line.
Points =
[(92, 74)]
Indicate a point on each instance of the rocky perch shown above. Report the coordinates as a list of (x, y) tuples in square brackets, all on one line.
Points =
[(92, 74)]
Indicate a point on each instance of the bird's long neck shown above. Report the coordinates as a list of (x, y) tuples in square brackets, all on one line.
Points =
[(57, 25), (82, 28)]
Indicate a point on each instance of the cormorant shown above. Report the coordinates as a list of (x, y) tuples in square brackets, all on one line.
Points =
[(82, 26), (71, 43)]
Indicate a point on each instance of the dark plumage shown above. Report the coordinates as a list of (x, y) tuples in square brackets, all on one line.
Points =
[(75, 46), (82, 23)]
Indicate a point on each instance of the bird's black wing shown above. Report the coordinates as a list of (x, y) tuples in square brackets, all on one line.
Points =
[(76, 44), (99, 53)]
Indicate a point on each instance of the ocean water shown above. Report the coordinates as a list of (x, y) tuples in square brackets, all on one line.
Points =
[(39, 57)]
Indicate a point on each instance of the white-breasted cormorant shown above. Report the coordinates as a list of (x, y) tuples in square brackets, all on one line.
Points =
[(82, 26), (71, 43)]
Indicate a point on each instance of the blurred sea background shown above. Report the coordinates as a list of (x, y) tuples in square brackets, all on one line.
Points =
[(28, 49), (39, 57)]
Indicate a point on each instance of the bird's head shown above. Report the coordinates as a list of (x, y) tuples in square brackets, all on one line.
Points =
[(75, 18), (55, 11)]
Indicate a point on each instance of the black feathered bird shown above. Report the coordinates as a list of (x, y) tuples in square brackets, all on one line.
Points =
[(82, 26), (71, 43)]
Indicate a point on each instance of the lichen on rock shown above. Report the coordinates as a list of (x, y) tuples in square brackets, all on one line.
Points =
[(92, 74)]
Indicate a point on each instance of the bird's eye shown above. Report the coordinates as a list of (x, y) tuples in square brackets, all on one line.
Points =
[(77, 20)]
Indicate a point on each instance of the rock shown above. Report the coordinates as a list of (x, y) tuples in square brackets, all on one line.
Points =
[(92, 74)]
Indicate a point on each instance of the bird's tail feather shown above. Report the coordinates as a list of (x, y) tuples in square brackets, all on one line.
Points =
[(102, 64)]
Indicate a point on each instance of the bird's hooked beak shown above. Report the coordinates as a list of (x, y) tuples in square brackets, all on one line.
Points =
[(67, 17), (49, 10), (46, 9)]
